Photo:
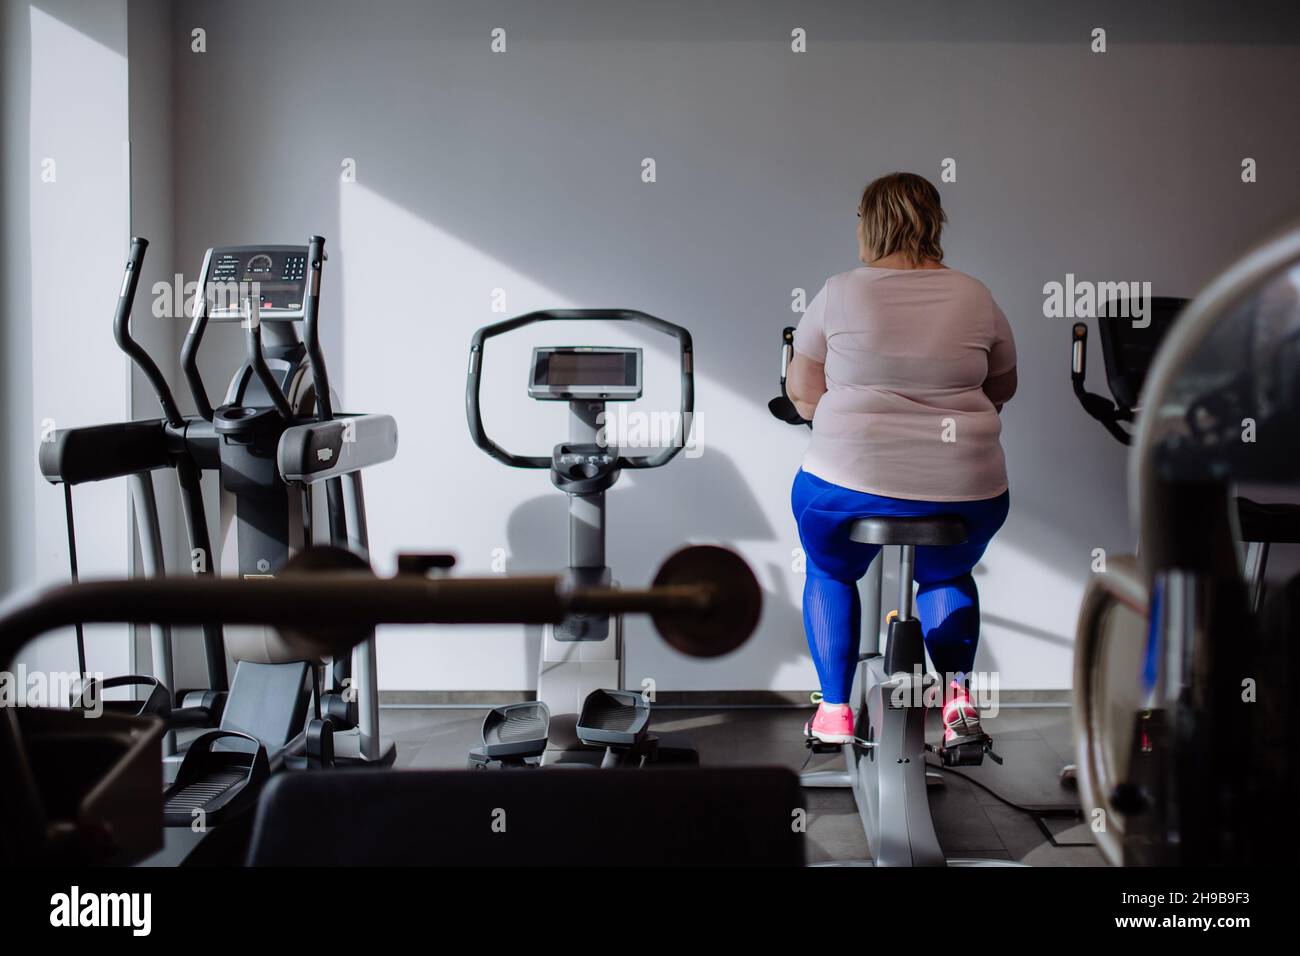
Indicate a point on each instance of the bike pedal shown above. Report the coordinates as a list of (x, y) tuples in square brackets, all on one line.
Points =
[(819, 746), (967, 752)]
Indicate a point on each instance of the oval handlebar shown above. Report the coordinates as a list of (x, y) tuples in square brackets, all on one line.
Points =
[(474, 381)]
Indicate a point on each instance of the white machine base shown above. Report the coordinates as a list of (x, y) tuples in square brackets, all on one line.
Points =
[(567, 672)]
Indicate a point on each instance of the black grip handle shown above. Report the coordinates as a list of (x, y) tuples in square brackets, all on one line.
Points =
[(100, 452), (311, 334), (335, 503), (194, 340)]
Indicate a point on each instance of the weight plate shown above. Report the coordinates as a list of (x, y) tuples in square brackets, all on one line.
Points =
[(735, 608)]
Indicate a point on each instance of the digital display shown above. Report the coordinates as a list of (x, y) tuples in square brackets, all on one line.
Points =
[(611, 369), (276, 274), (597, 374)]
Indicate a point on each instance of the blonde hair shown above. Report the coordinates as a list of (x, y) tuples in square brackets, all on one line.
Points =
[(901, 213)]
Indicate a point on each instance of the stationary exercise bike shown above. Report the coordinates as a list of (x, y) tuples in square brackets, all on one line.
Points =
[(582, 714), (885, 765)]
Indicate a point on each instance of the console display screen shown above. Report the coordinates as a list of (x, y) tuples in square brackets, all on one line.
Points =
[(591, 373), (277, 274), (591, 368)]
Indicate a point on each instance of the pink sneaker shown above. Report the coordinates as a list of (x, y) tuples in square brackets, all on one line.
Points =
[(961, 721), (831, 726)]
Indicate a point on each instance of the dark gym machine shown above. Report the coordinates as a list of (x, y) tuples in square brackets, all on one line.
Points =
[(1128, 348), (1183, 672)]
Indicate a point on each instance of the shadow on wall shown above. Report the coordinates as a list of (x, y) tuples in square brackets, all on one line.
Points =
[(663, 505)]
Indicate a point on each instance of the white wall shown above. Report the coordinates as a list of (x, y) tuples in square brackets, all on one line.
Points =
[(71, 373), (520, 171)]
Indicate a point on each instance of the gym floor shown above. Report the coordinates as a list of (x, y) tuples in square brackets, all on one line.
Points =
[(1034, 742)]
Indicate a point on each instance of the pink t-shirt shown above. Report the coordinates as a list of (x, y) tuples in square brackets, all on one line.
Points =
[(906, 353)]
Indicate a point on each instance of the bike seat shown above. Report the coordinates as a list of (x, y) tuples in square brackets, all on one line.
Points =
[(936, 530)]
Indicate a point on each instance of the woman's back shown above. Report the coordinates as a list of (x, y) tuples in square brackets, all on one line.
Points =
[(906, 355), (903, 367)]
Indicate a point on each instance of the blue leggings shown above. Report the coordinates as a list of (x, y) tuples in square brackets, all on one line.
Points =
[(946, 601)]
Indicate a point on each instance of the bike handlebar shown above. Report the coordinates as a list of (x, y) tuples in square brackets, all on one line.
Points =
[(474, 381)]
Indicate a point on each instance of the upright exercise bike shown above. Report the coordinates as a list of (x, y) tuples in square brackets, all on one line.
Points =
[(582, 713), (885, 765)]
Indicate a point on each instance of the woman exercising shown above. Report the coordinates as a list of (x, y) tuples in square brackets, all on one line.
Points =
[(903, 367)]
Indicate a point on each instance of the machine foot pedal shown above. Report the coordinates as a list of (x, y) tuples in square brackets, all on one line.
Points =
[(513, 735), (819, 746), (214, 784), (619, 721), (613, 718), (966, 751)]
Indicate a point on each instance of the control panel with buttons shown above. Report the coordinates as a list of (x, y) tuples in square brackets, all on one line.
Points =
[(276, 274), (584, 469)]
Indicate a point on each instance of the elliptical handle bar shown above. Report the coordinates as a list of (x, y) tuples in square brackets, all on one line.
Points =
[(193, 339), (257, 359), (687, 381), (320, 376), (134, 350), (311, 334)]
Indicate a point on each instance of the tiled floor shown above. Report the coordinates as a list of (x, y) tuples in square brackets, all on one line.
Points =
[(1034, 742)]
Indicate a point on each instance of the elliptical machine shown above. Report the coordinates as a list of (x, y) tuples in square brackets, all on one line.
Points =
[(885, 765), (582, 713), (273, 439)]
